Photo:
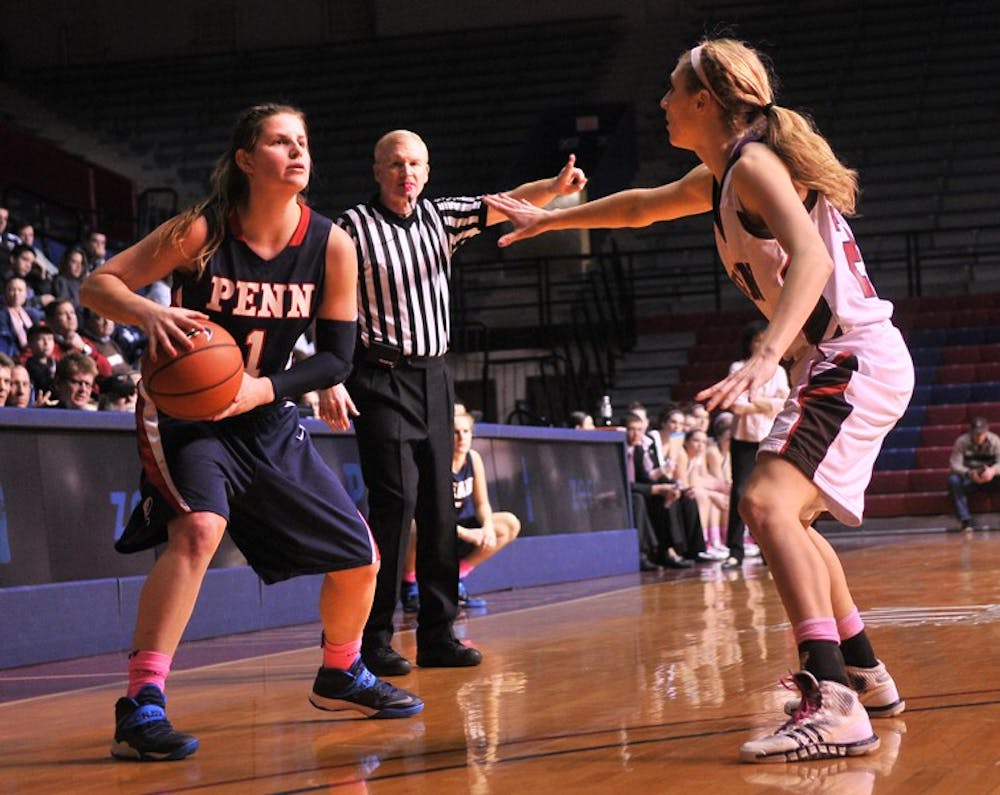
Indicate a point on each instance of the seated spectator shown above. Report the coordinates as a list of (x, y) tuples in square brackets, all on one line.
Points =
[(974, 461), (67, 283), (73, 387), (118, 393), (6, 371), (131, 341), (652, 437), (672, 432), (309, 404), (99, 331), (159, 291), (21, 265), (26, 232), (15, 319), (95, 246), (581, 421), (482, 532), (702, 474), (8, 240), (40, 359), (62, 319), (673, 515), (697, 418), (21, 393)]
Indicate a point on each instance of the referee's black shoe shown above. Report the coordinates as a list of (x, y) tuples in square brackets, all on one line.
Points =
[(449, 654), (385, 661)]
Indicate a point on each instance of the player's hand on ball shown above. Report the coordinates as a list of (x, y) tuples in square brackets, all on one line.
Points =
[(253, 392), (169, 329)]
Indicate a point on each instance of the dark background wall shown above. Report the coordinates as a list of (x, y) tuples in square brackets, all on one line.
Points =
[(57, 32)]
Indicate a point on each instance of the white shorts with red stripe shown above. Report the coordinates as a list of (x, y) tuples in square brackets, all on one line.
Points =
[(847, 394)]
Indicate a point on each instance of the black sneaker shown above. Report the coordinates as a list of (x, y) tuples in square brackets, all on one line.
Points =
[(359, 689), (143, 733)]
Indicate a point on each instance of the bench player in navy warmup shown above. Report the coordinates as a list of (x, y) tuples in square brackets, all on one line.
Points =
[(779, 195), (254, 258)]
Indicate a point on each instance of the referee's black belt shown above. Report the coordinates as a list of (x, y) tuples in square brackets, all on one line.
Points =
[(390, 357)]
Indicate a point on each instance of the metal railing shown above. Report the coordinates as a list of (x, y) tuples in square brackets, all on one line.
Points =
[(582, 309)]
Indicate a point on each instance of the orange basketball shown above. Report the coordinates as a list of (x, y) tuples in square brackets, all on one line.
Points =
[(196, 384)]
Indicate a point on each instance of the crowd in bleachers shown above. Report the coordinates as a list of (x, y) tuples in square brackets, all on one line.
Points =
[(954, 341), (679, 468), (54, 353)]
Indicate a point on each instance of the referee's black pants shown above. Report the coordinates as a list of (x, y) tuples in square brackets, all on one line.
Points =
[(405, 434)]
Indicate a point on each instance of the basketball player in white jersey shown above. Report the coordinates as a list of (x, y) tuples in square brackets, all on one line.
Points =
[(779, 196)]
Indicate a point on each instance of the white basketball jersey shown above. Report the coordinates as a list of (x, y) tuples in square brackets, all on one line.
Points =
[(756, 263)]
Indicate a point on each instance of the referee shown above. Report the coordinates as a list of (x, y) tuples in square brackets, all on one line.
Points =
[(401, 391)]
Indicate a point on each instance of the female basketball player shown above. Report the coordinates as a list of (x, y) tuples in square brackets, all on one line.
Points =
[(779, 196), (255, 259)]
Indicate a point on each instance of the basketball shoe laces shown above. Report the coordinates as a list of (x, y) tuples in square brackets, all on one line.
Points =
[(809, 702)]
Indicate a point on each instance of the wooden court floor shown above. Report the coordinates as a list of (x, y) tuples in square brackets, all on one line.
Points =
[(646, 686)]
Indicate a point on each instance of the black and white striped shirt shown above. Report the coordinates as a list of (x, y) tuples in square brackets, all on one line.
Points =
[(404, 269)]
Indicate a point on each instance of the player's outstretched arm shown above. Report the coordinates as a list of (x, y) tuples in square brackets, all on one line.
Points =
[(569, 180), (636, 207)]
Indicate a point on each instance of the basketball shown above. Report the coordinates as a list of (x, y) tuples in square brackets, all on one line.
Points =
[(196, 384)]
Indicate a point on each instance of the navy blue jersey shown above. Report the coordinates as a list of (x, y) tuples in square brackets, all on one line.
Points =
[(462, 482), (265, 304)]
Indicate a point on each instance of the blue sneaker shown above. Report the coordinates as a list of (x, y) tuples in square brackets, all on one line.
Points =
[(466, 601), (359, 689), (409, 595), (143, 733)]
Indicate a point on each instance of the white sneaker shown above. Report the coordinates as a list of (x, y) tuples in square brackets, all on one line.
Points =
[(714, 553), (751, 550), (829, 723), (876, 689)]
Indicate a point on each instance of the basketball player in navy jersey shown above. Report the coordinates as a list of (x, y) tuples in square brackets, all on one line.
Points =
[(779, 196), (254, 258)]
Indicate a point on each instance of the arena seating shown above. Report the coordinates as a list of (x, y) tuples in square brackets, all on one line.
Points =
[(474, 101), (955, 344)]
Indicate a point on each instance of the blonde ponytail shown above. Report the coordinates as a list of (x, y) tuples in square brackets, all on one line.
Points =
[(741, 80)]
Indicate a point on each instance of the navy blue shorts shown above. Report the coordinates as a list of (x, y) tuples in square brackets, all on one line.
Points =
[(287, 511), (464, 547)]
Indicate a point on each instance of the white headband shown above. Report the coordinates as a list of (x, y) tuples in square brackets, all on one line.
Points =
[(696, 65)]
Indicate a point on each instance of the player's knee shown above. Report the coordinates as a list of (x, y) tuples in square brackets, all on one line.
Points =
[(507, 527), (357, 577), (755, 508), (196, 536)]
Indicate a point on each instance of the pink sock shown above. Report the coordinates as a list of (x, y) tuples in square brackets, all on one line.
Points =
[(464, 569), (850, 625), (341, 655), (147, 668), (816, 629), (410, 577)]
